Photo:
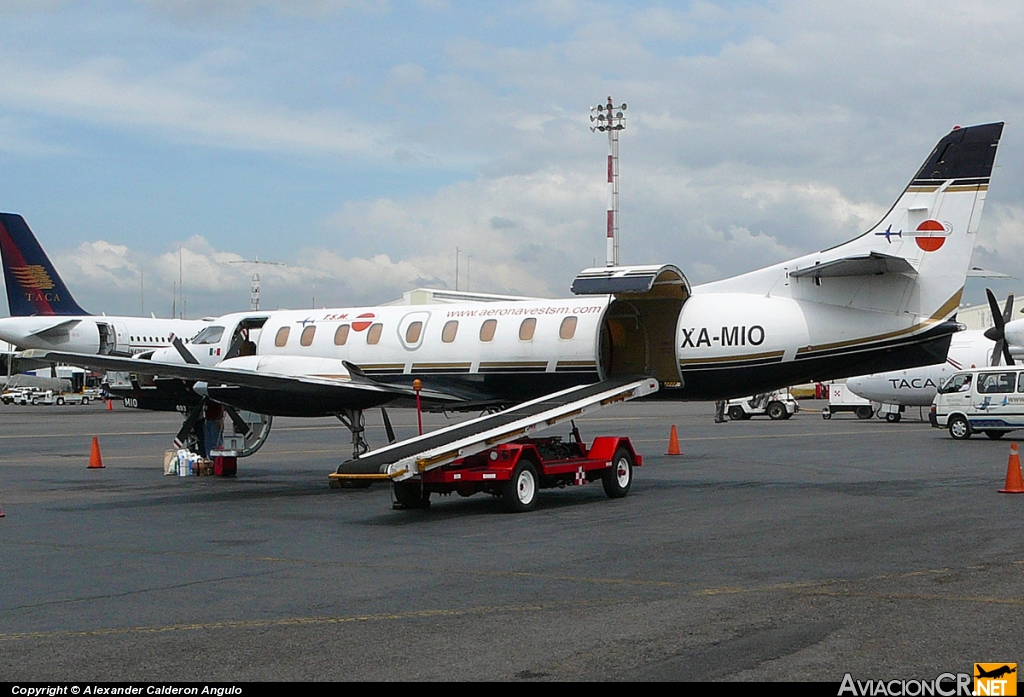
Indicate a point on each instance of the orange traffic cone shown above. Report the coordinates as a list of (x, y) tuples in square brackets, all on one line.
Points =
[(95, 461), (673, 442), (110, 405), (1014, 483)]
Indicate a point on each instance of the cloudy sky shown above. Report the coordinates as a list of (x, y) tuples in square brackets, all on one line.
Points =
[(359, 143)]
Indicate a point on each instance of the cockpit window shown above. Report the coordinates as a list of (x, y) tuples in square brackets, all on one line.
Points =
[(210, 335)]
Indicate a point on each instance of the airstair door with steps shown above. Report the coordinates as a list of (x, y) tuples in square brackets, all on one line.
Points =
[(410, 457)]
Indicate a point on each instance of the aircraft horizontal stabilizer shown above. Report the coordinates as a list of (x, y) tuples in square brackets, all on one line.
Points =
[(873, 264)]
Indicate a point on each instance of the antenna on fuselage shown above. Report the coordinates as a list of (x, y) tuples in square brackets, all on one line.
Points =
[(611, 119)]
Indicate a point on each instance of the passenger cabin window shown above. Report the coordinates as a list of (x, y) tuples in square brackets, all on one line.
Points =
[(341, 335), (487, 330), (306, 338), (527, 328), (568, 329), (996, 383), (373, 335), (412, 333), (450, 330), (282, 337)]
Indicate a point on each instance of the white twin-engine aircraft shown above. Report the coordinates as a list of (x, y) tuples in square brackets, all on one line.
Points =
[(885, 300)]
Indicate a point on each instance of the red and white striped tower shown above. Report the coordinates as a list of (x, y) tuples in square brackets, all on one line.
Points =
[(610, 118)]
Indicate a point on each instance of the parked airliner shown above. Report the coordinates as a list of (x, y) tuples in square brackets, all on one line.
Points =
[(916, 387), (884, 300), (45, 316)]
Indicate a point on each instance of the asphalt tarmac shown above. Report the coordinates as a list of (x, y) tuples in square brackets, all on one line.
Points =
[(793, 550)]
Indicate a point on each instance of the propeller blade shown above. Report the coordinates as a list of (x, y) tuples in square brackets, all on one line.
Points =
[(240, 425), (1007, 316), (997, 351), (190, 422), (387, 425), (997, 315), (185, 354)]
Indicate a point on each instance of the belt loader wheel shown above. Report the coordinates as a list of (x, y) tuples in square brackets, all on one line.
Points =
[(520, 492), (619, 478), (409, 494)]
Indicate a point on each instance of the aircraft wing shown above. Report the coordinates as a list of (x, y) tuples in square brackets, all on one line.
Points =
[(334, 392)]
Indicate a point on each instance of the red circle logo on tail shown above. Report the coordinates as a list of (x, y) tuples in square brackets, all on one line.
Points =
[(359, 326), (934, 235)]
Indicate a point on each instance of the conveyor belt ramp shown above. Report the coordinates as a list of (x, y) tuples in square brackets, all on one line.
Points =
[(414, 456)]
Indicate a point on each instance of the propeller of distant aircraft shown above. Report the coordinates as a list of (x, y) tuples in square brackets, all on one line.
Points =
[(998, 332)]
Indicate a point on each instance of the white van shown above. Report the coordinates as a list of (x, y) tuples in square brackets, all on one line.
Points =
[(986, 400)]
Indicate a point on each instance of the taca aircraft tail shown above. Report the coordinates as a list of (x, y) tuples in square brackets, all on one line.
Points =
[(33, 286)]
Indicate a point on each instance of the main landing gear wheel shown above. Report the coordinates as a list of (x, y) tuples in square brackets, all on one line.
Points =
[(959, 428), (865, 412), (995, 435), (619, 478), (520, 492), (410, 495), (735, 413), (893, 417), (776, 411)]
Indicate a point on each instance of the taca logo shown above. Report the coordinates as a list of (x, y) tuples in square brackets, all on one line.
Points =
[(33, 277)]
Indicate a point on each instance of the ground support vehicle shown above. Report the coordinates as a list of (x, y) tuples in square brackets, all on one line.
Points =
[(982, 400), (892, 413), (498, 452), (73, 398), (841, 399), (16, 395), (44, 397), (775, 405), (517, 471)]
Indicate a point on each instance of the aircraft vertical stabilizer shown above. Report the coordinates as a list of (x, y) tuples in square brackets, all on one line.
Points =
[(33, 286)]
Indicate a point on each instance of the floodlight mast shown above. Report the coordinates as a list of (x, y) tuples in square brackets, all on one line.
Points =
[(611, 118), (254, 287)]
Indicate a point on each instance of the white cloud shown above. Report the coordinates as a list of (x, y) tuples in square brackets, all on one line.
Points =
[(187, 103), (754, 132)]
